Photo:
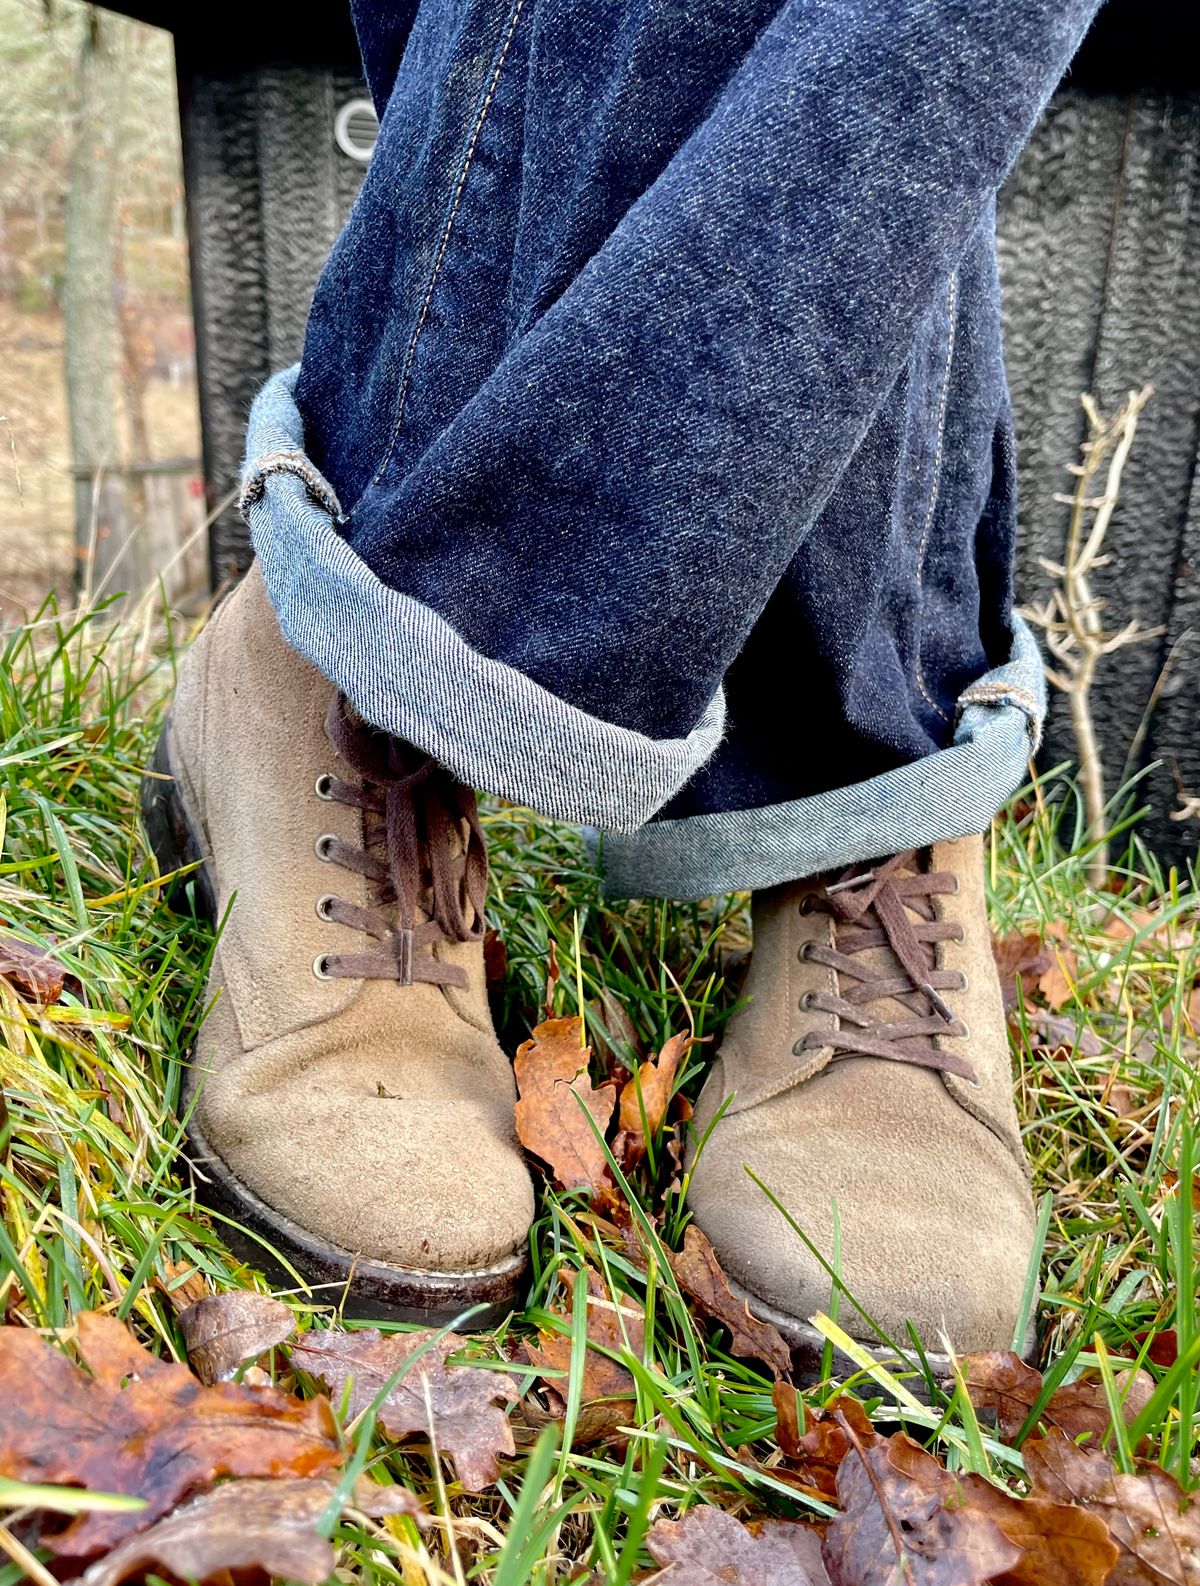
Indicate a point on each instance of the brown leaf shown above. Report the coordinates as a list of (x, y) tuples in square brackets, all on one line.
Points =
[(603, 1377), (143, 1427), (495, 957), (999, 1380), (552, 1078), (247, 1525), (459, 1400), (893, 1499), (31, 971), (1058, 1543), (1155, 1527), (699, 1275), (192, 1285), (1059, 979), (222, 1330), (1019, 956), (1164, 1346), (710, 1548), (1055, 1030), (819, 1450), (646, 1097)]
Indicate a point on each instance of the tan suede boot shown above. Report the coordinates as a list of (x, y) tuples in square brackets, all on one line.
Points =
[(871, 1071), (353, 1107)]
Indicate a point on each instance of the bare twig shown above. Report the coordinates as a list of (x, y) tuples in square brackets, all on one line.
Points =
[(1071, 616)]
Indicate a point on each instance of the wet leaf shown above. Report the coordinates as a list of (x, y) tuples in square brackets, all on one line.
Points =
[(710, 1548), (552, 1078), (1155, 1527), (454, 1406), (819, 1450), (222, 1330), (1059, 1544), (893, 1499), (143, 1427), (646, 1097), (699, 1275), (999, 1380), (246, 1525), (33, 972)]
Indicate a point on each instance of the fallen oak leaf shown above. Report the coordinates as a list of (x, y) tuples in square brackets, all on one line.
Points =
[(1057, 1542), (460, 1400), (709, 1547), (646, 1096), (220, 1331), (1001, 1381), (1154, 1524), (603, 1377), (270, 1526), (32, 971), (699, 1275), (1057, 982), (142, 1427), (1020, 956), (895, 1526), (826, 1440), (551, 1070)]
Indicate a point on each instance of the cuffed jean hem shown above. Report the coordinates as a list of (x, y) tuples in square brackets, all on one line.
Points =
[(952, 793), (406, 670)]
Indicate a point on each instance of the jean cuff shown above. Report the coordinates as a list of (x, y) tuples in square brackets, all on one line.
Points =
[(949, 794), (406, 670)]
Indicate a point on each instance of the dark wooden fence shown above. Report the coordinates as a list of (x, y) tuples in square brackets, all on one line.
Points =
[(1100, 254)]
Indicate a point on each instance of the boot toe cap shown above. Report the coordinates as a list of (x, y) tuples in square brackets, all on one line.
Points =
[(935, 1230)]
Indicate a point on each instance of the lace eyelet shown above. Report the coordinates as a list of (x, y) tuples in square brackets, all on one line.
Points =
[(807, 903), (323, 787), (804, 952), (322, 845), (799, 1049), (806, 1002), (956, 888), (966, 980), (320, 967), (322, 906)]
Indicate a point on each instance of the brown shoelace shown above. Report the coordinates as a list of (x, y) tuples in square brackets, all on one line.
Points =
[(423, 853), (887, 905)]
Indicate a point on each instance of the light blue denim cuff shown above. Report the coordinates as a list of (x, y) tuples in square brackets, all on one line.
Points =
[(406, 670), (949, 794)]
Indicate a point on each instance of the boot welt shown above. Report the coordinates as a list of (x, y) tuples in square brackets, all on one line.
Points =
[(260, 1234), (808, 1345)]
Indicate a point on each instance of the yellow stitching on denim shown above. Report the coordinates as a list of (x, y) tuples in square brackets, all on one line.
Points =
[(951, 308), (444, 242)]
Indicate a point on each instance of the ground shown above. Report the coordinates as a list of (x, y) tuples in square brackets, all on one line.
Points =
[(95, 1218)]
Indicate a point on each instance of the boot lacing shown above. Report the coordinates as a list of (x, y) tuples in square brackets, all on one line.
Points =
[(425, 825), (875, 907)]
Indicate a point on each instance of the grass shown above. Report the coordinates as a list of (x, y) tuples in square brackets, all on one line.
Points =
[(93, 1215)]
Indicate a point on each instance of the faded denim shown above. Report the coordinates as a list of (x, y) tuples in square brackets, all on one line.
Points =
[(656, 380)]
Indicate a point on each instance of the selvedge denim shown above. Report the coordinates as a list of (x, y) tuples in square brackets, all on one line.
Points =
[(650, 458)]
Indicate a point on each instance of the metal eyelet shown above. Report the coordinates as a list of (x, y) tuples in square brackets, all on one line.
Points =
[(956, 888), (966, 980), (322, 845), (806, 1002), (807, 903), (323, 787), (804, 952), (322, 906), (320, 967)]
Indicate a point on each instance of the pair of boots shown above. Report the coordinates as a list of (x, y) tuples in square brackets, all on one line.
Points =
[(353, 1107)]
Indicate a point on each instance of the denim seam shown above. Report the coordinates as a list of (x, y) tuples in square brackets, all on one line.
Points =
[(288, 462), (951, 309), (444, 241)]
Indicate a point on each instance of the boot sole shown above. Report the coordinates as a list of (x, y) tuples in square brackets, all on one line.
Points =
[(256, 1232), (808, 1347)]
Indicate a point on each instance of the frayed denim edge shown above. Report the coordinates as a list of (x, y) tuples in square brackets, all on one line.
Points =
[(406, 670), (949, 794)]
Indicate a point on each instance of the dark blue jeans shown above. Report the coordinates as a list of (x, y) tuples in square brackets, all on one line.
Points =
[(650, 459)]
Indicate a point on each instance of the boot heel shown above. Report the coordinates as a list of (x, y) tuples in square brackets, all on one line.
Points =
[(173, 838)]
